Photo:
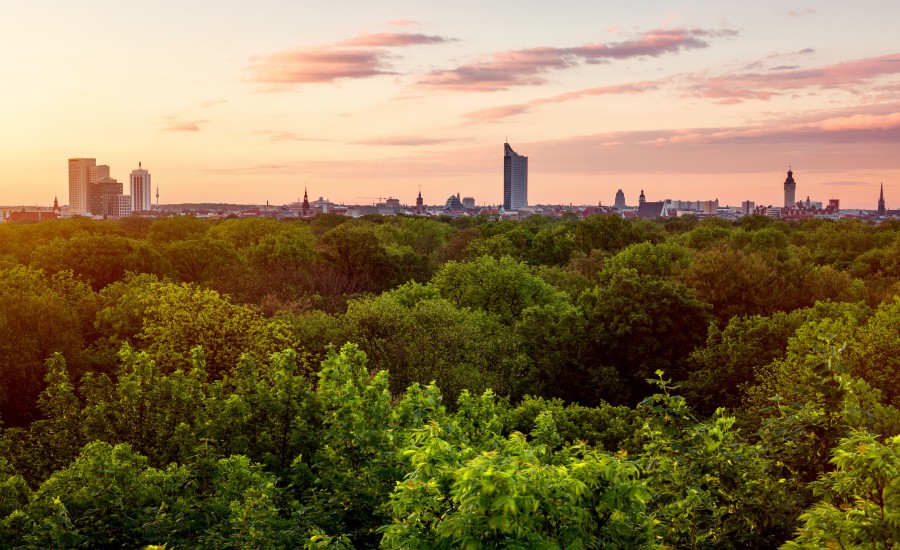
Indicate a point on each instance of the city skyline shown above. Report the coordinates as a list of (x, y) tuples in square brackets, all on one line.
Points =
[(694, 100)]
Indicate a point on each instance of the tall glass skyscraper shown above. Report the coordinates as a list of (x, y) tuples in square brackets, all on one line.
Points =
[(515, 179)]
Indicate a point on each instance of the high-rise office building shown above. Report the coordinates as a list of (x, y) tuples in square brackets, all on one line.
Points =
[(515, 179), (790, 190), (82, 174), (141, 195), (103, 197)]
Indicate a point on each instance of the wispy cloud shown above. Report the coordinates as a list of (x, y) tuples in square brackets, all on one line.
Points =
[(407, 141), (803, 12), (498, 113), (173, 123), (735, 88), (392, 40), (502, 70), (850, 128), (404, 23), (319, 65), (212, 103), (494, 114), (363, 56)]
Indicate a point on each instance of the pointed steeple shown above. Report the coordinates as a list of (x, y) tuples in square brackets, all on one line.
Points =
[(55, 205), (305, 208), (881, 209), (642, 198)]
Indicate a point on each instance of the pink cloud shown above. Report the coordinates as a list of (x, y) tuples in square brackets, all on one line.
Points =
[(404, 23), (833, 129), (362, 56), (502, 70), (651, 44), (319, 65), (737, 87), (493, 114), (392, 39)]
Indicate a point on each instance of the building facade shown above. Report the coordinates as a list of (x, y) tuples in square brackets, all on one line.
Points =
[(515, 179), (620, 200), (120, 206), (141, 193), (103, 197), (82, 174)]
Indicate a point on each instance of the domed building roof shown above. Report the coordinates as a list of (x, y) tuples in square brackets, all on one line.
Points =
[(454, 203)]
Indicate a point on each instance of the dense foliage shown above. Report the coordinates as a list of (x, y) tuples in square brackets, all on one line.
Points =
[(436, 383)]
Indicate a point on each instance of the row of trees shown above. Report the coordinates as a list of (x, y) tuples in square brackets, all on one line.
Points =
[(314, 264), (517, 409)]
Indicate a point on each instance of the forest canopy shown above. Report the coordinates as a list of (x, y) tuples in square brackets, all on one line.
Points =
[(408, 382)]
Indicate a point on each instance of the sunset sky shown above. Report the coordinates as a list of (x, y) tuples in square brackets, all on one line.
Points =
[(227, 101)]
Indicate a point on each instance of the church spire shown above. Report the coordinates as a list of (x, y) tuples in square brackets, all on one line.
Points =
[(420, 206), (881, 210)]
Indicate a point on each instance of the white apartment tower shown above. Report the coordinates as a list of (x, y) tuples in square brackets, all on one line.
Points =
[(82, 174), (141, 197), (515, 179)]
